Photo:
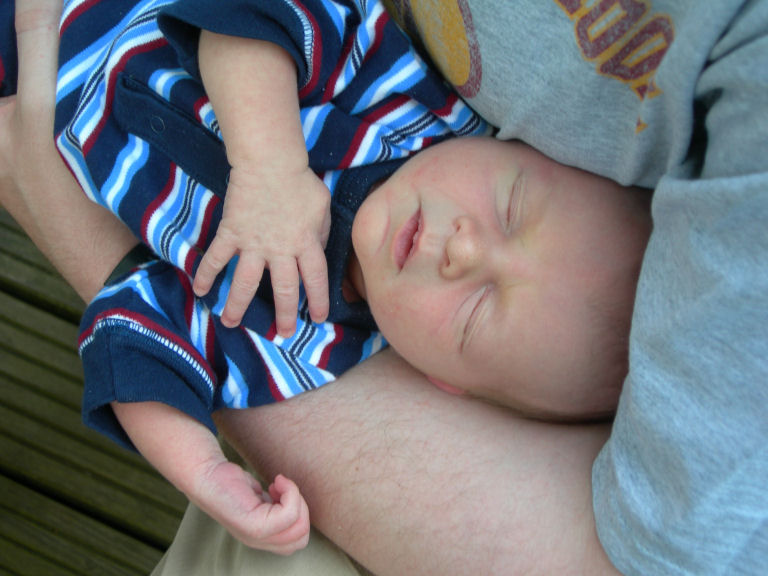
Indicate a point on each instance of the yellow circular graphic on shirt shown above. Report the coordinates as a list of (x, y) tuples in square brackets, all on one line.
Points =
[(448, 34)]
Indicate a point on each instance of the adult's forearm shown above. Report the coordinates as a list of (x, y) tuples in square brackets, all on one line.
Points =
[(410, 480), (81, 239)]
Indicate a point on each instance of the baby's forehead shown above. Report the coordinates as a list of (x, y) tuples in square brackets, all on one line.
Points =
[(439, 161)]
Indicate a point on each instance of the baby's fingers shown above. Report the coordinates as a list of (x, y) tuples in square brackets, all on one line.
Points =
[(277, 523), (245, 282), (219, 253), (290, 522), (285, 290), (314, 273)]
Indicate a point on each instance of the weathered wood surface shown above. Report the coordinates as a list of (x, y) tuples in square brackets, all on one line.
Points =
[(71, 502)]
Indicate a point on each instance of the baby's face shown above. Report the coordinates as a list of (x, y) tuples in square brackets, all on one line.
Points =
[(482, 261)]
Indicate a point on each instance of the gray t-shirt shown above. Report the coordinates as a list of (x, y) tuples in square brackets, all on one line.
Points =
[(670, 95)]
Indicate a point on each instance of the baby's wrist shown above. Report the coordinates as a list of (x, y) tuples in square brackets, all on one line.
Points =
[(257, 163), (281, 151), (264, 172)]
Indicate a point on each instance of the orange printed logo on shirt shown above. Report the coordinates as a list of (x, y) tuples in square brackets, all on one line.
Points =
[(623, 39), (446, 29)]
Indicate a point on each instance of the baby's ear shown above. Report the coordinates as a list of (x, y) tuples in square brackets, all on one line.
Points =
[(446, 387)]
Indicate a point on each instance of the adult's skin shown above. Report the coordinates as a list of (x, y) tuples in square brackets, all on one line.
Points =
[(404, 477), (35, 186)]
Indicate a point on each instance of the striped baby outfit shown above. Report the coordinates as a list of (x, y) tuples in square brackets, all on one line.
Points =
[(138, 133)]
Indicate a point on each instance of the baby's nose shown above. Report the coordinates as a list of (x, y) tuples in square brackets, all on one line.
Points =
[(463, 249)]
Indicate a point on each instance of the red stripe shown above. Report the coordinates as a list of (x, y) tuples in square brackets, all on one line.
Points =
[(205, 228), (157, 202), (388, 106), (350, 43), (202, 101), (189, 297), (450, 103), (154, 327), (210, 338), (354, 146), (272, 332), (201, 241), (273, 388), (75, 14), (365, 125), (328, 93), (189, 261), (326, 355), (378, 33)]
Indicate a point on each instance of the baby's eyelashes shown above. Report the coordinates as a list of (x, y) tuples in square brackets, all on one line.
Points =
[(514, 210)]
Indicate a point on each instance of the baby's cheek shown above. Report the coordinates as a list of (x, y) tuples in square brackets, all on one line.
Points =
[(399, 320)]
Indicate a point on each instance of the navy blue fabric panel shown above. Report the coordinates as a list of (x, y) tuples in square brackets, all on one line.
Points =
[(8, 58)]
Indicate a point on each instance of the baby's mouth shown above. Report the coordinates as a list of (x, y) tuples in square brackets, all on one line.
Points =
[(406, 238)]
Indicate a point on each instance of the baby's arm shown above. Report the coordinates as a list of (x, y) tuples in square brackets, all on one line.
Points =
[(276, 211), (189, 456)]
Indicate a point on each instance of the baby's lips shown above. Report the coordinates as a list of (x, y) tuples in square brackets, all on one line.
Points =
[(405, 239)]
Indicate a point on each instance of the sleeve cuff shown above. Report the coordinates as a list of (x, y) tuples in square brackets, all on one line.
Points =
[(182, 22), (120, 366)]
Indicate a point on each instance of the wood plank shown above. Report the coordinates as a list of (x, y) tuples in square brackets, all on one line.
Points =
[(51, 469), (100, 537), (117, 473), (65, 536), (48, 292), (30, 346), (25, 272), (39, 322), (66, 420), (71, 501), (27, 359), (16, 243), (26, 383), (19, 560), (42, 379), (53, 546)]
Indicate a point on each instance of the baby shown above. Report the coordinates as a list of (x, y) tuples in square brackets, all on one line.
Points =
[(489, 267), (467, 244), (497, 271), (571, 325)]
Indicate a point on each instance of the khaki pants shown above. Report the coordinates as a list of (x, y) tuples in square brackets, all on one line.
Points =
[(202, 547)]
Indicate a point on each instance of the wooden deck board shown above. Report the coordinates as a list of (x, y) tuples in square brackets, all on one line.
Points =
[(71, 501), (25, 271), (17, 560), (70, 539)]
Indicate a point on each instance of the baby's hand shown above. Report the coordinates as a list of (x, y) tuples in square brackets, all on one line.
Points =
[(275, 220), (191, 458), (277, 522)]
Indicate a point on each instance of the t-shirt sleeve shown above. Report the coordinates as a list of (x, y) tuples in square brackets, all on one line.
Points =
[(136, 346), (312, 32)]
